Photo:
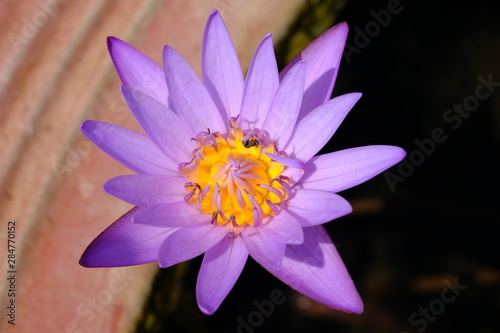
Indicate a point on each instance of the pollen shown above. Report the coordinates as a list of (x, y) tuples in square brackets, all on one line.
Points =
[(231, 178)]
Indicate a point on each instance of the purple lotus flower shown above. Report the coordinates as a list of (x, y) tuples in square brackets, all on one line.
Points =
[(228, 168)]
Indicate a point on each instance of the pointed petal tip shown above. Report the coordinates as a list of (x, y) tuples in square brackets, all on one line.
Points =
[(214, 12), (83, 261), (87, 127), (168, 54), (163, 264), (357, 94), (352, 97), (359, 308), (342, 25), (341, 28), (206, 311), (299, 65), (114, 44), (297, 72), (137, 70), (267, 38), (356, 307), (167, 49), (394, 154), (301, 62), (90, 257), (348, 209), (88, 260), (353, 305), (112, 40), (349, 98), (400, 153), (84, 126), (106, 187)]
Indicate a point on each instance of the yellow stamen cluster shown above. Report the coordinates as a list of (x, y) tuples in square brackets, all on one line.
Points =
[(233, 179)]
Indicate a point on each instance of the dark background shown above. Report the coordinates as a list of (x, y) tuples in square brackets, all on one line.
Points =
[(436, 225)]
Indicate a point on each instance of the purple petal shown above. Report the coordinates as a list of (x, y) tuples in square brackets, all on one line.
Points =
[(124, 244), (221, 68), (190, 98), (311, 207), (317, 127), (172, 214), (189, 242), (262, 248), (316, 270), (147, 190), (261, 84), (282, 116), (323, 58), (289, 162), (137, 152), (284, 228), (138, 71), (161, 124), (293, 174), (344, 169), (221, 267)]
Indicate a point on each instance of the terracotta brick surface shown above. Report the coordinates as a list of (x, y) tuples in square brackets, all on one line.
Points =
[(54, 73)]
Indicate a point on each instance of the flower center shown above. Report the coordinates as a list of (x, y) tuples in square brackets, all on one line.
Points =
[(233, 179)]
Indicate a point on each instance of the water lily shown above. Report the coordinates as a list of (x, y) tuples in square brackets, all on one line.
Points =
[(227, 167)]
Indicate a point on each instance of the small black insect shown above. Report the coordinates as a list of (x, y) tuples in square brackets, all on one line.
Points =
[(252, 142)]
